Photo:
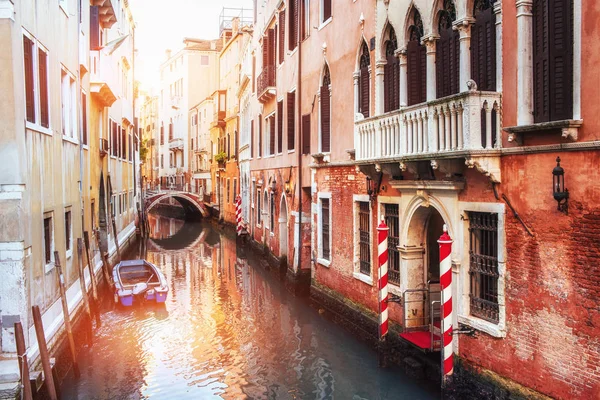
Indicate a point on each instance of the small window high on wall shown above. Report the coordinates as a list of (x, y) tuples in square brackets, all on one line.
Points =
[(325, 99), (552, 60)]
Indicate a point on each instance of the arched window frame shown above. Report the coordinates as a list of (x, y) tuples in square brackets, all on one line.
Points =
[(447, 53), (391, 71), (325, 111), (364, 80)]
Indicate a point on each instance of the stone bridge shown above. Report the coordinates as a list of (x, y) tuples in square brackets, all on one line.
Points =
[(192, 204)]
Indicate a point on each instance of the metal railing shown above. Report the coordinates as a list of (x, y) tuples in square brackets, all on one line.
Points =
[(422, 312), (266, 79)]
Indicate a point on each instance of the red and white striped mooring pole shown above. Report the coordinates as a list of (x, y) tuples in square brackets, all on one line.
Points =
[(382, 250), (445, 242), (238, 214)]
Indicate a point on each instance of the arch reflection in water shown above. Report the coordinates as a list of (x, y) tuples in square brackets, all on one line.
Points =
[(230, 330)]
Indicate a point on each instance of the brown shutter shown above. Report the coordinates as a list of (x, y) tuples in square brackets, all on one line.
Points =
[(296, 22), (541, 68), (162, 134), (280, 126), (272, 135), (94, 28), (291, 120), (325, 120), (483, 50), (560, 17), (43, 75), (447, 63), (260, 136), (326, 9), (306, 134), (274, 45), (364, 91), (302, 20), (391, 84), (265, 49), (29, 89), (413, 60), (281, 36), (252, 139)]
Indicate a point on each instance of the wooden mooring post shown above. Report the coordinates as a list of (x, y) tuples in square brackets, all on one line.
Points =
[(114, 226), (84, 293), (105, 265), (44, 355), (96, 306), (23, 363), (66, 315)]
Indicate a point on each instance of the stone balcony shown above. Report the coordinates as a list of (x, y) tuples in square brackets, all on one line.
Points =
[(265, 84), (176, 144), (463, 125)]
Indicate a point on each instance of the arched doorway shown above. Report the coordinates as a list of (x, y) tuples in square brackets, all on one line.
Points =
[(283, 230), (419, 254)]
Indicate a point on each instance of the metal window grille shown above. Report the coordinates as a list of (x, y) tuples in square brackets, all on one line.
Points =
[(483, 265), (392, 221), (364, 228), (272, 220), (48, 240), (325, 228)]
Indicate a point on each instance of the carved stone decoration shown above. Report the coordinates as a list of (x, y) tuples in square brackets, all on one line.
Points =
[(361, 21), (472, 85), (489, 166), (570, 133), (434, 164), (378, 167), (357, 169), (402, 167), (324, 47), (423, 194)]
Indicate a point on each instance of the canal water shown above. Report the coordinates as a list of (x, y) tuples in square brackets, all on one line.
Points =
[(230, 330)]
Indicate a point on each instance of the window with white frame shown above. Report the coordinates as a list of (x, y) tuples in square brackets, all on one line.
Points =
[(324, 228), (48, 241), (362, 238), (265, 209), (68, 232), (68, 103), (325, 10), (35, 59), (258, 208)]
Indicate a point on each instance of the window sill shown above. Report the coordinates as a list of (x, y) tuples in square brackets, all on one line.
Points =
[(70, 140), (325, 23), (324, 262), (38, 128), (291, 54), (291, 151), (479, 324), (69, 254), (85, 147), (48, 268), (363, 278), (569, 128)]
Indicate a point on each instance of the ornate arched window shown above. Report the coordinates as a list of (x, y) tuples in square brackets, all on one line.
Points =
[(483, 45), (447, 52), (417, 62), (552, 60), (364, 80), (391, 73), (325, 95)]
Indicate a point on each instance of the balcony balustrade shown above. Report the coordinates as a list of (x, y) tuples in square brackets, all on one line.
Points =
[(449, 127), (266, 84), (176, 144)]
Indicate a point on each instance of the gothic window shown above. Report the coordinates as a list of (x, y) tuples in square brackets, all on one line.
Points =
[(483, 45), (326, 111), (416, 62), (391, 73), (447, 52), (552, 60), (363, 80)]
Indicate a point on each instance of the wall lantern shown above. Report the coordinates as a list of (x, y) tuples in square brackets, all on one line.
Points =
[(288, 187), (369, 186), (561, 195), (273, 186)]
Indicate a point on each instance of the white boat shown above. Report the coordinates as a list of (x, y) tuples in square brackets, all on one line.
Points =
[(137, 280)]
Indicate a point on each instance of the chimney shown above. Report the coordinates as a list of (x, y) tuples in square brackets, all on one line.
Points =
[(168, 53)]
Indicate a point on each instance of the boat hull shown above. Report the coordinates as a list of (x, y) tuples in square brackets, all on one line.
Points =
[(127, 294)]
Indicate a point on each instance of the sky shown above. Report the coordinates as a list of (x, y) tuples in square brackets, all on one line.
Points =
[(162, 25)]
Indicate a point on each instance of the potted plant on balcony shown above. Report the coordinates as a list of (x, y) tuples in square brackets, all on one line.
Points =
[(221, 158)]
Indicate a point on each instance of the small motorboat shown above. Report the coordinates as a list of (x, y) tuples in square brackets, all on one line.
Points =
[(137, 280)]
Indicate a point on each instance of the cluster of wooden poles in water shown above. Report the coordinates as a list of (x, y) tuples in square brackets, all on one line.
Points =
[(90, 307)]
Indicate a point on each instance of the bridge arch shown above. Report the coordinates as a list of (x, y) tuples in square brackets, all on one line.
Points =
[(192, 204)]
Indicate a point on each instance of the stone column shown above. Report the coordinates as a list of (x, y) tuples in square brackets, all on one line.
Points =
[(498, 12), (429, 42), (356, 75), (380, 90), (464, 30), (524, 62), (401, 54)]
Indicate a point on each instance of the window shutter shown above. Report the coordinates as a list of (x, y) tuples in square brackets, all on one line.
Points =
[(306, 134), (265, 60), (325, 119), (326, 10), (483, 50), (447, 63), (281, 36), (273, 58), (29, 90), (391, 84), (94, 28), (413, 60), (280, 126), (162, 134), (541, 68), (423, 72), (251, 139), (296, 22), (561, 59), (291, 120), (364, 91), (272, 135), (260, 136), (43, 75)]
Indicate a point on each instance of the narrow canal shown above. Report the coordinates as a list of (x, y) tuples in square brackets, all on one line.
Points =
[(229, 329)]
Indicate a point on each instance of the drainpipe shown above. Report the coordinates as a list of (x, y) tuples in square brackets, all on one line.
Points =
[(81, 204), (300, 145)]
